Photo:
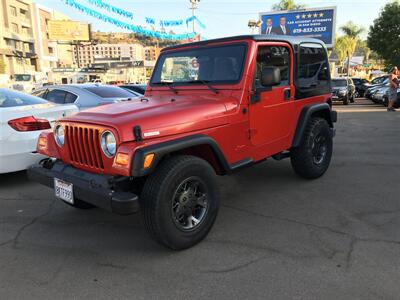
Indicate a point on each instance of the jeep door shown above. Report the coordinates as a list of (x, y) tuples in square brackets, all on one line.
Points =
[(271, 108)]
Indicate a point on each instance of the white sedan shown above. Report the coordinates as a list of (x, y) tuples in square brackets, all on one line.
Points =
[(22, 118)]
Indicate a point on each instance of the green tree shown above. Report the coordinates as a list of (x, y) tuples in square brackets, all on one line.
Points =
[(352, 30), (383, 37), (287, 5), (345, 46), (341, 49)]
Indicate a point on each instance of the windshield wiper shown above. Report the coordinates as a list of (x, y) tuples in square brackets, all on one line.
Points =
[(168, 84), (206, 83)]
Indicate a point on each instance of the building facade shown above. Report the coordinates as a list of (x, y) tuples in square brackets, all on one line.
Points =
[(85, 55), (18, 53)]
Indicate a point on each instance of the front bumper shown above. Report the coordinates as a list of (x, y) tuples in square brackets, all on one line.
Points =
[(99, 190), (338, 97)]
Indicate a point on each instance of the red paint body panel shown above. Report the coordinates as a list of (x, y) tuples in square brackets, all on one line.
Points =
[(242, 130)]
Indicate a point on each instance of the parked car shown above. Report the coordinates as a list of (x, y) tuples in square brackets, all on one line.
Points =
[(22, 118), (138, 88), (162, 155), (361, 86), (343, 90), (377, 96), (375, 84), (85, 95), (385, 100)]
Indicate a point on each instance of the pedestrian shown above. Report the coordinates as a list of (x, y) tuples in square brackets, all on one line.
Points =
[(394, 85)]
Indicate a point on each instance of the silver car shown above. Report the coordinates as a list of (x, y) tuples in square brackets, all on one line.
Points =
[(85, 96)]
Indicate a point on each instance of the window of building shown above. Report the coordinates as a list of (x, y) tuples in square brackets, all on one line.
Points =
[(13, 11), (24, 13), (14, 27), (51, 50), (26, 30)]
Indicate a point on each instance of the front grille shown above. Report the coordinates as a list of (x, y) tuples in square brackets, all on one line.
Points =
[(84, 146)]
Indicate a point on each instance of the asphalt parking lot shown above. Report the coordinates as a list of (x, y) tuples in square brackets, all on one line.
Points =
[(277, 236)]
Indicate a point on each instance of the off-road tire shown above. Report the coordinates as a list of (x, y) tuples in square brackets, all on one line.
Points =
[(346, 100), (80, 204), (159, 193), (302, 157)]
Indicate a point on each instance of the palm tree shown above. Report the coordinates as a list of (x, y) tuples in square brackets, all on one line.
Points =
[(351, 40), (352, 30), (287, 5), (345, 47), (340, 50)]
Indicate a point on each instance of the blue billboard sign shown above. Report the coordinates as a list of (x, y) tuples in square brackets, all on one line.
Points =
[(316, 23)]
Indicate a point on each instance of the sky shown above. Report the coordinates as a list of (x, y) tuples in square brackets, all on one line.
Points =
[(221, 17)]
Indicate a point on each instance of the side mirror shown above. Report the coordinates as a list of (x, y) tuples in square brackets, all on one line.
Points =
[(270, 76)]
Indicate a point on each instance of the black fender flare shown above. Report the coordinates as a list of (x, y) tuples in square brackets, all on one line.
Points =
[(164, 148), (306, 114)]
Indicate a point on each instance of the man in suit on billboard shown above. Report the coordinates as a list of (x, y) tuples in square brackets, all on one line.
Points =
[(269, 30), (282, 29)]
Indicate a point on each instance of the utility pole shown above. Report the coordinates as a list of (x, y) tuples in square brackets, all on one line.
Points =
[(193, 8)]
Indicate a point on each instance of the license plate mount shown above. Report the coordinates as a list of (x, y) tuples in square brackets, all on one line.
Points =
[(64, 190)]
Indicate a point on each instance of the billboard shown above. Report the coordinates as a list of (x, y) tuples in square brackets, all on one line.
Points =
[(319, 23), (68, 31)]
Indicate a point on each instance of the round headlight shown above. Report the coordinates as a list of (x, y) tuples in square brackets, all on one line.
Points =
[(59, 135), (108, 143)]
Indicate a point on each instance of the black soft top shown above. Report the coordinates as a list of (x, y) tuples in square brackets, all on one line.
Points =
[(292, 40)]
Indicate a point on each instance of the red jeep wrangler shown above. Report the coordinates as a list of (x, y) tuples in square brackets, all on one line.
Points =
[(211, 108)]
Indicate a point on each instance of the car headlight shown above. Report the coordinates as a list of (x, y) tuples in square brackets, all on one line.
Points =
[(59, 135), (342, 92), (108, 144)]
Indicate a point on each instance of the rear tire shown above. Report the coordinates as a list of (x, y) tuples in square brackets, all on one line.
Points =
[(180, 201), (312, 158)]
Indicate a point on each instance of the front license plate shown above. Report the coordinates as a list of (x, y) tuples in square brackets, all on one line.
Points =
[(335, 97), (64, 190)]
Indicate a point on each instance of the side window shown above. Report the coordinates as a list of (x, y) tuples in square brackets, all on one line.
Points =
[(313, 76), (70, 98), (273, 56), (40, 94), (56, 96)]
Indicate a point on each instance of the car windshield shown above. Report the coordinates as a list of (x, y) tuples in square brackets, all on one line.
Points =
[(213, 64), (23, 77), (10, 99), (339, 83), (109, 92), (378, 80)]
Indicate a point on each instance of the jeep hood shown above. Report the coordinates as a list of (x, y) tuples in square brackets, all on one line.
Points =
[(156, 116)]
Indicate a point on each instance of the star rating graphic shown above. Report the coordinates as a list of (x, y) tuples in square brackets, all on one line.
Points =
[(309, 16)]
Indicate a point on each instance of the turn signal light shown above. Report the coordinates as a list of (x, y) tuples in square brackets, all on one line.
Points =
[(122, 159), (42, 143), (148, 160), (29, 124)]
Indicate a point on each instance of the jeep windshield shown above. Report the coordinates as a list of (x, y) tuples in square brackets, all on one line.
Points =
[(205, 65)]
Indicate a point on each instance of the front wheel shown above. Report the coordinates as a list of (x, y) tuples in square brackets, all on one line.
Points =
[(180, 201), (312, 158)]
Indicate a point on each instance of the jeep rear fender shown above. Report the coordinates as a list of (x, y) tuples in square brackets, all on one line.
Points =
[(198, 145), (322, 110)]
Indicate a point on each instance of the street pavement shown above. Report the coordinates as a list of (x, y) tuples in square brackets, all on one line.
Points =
[(277, 236)]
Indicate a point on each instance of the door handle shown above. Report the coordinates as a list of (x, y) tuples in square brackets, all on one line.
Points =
[(287, 94)]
